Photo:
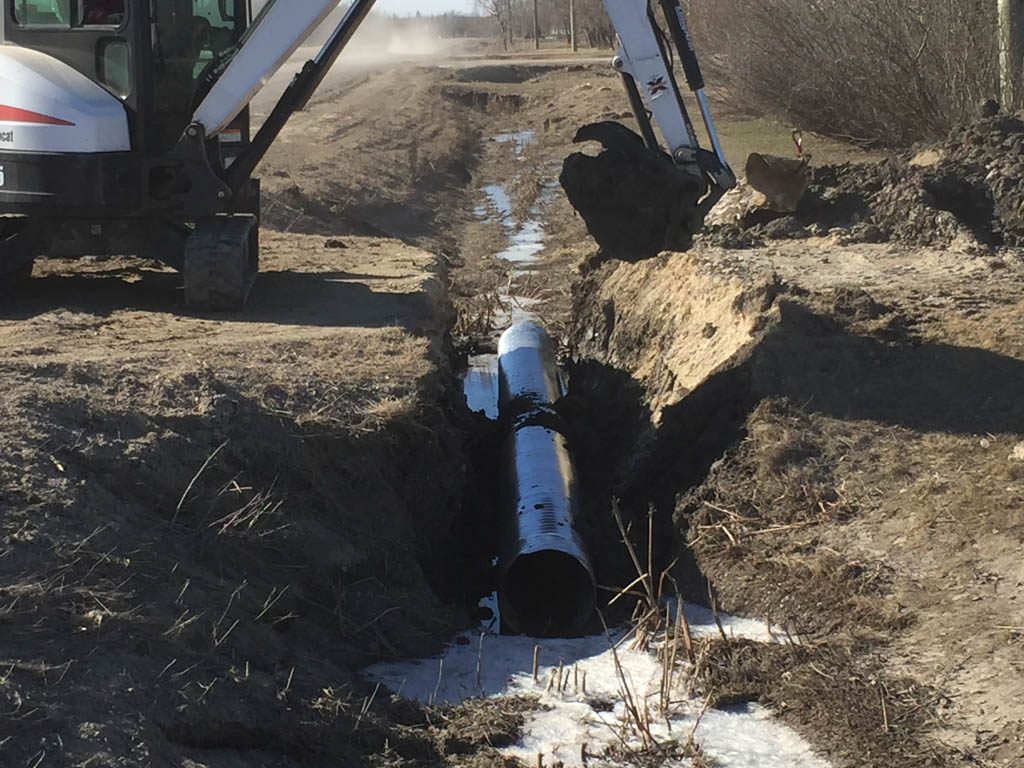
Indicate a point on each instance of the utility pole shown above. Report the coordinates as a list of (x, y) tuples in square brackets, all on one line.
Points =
[(536, 26), (572, 26), (1011, 53)]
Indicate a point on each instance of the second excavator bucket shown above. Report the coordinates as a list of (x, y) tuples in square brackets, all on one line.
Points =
[(782, 180)]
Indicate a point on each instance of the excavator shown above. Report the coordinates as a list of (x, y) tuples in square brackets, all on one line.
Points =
[(125, 128)]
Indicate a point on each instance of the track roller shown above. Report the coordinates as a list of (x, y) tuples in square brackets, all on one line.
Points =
[(221, 262)]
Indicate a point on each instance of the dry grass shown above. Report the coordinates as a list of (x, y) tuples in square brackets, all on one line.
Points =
[(754, 526), (659, 624), (835, 695)]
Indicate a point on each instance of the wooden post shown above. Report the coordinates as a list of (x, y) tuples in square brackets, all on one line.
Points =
[(572, 26), (1011, 53), (536, 26)]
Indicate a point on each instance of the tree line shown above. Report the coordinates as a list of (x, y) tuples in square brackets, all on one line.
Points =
[(515, 20)]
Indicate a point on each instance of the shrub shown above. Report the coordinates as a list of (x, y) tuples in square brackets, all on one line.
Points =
[(876, 72)]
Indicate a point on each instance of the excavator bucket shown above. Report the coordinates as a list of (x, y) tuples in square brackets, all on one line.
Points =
[(782, 180)]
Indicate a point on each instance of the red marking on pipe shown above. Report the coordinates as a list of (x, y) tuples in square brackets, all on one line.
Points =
[(15, 115)]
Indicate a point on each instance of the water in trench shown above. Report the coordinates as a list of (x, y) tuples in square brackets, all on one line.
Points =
[(526, 240)]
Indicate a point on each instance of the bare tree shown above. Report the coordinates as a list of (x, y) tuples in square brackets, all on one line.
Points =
[(537, 19), (501, 12), (1011, 51)]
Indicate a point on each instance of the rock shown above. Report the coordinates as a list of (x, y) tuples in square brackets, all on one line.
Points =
[(782, 180), (927, 158)]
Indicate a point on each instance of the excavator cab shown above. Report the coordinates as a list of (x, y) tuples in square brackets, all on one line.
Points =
[(150, 55), (94, 98)]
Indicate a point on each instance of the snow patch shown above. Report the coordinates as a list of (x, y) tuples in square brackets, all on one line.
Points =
[(579, 685)]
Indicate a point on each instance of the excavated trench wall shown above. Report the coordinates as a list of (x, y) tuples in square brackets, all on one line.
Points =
[(671, 323), (661, 386)]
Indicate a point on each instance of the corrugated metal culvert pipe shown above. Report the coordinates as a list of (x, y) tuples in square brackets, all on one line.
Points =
[(547, 585)]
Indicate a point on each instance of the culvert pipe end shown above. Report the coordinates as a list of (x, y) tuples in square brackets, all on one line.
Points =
[(547, 585)]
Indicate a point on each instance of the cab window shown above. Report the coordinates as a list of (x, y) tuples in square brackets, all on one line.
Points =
[(195, 31), (69, 13), (188, 35), (43, 13), (102, 13), (216, 28)]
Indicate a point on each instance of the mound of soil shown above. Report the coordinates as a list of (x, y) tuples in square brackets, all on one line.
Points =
[(965, 190)]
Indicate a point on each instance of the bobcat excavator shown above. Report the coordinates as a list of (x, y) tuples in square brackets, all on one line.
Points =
[(125, 130)]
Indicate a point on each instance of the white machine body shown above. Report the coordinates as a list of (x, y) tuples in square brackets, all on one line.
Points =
[(640, 55), (279, 31), (46, 106)]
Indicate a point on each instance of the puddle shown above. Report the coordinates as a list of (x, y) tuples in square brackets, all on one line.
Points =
[(480, 383), (527, 244), (526, 238), (519, 139), (526, 241)]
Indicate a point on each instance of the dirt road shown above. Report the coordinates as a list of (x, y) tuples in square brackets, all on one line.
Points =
[(210, 524)]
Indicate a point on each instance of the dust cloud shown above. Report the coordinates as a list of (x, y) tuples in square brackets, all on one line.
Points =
[(385, 39)]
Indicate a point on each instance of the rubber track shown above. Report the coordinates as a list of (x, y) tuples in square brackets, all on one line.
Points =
[(219, 268)]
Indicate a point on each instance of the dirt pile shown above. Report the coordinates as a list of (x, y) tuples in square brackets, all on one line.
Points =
[(966, 190), (833, 433)]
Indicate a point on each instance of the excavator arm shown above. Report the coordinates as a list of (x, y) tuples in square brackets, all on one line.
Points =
[(637, 198), (677, 187), (646, 65), (276, 33)]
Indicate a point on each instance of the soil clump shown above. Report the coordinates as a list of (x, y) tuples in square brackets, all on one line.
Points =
[(963, 192)]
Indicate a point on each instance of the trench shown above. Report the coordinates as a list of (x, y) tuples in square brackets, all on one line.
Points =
[(606, 418), (525, 244), (622, 463), (525, 237)]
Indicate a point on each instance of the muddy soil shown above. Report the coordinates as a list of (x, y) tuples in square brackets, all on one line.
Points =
[(963, 192)]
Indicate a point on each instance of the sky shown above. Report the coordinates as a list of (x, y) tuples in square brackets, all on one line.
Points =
[(410, 7)]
